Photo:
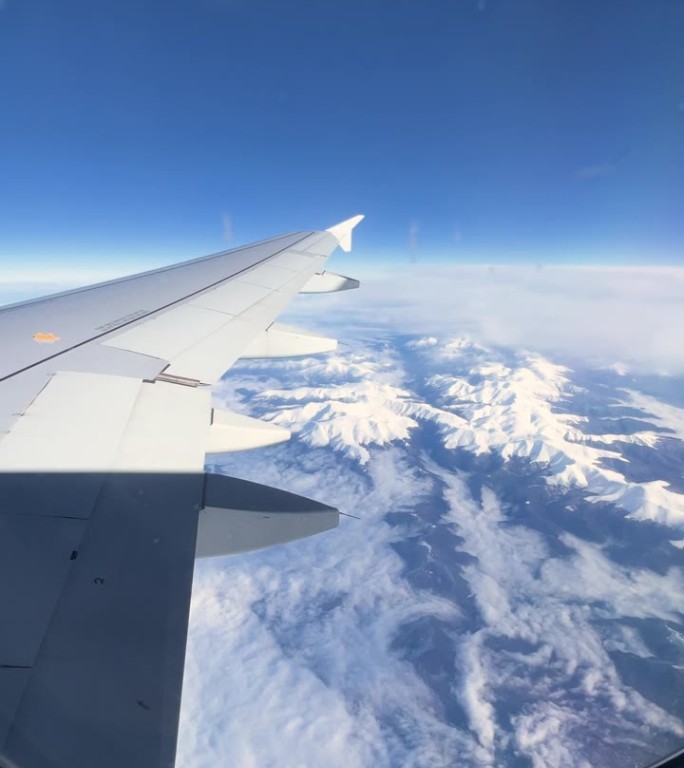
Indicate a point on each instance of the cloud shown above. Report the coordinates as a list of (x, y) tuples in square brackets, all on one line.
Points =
[(669, 416), (567, 690), (594, 171), (630, 315), (474, 694), (290, 657), (543, 734), (600, 170)]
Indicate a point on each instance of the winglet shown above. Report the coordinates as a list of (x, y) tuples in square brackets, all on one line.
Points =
[(343, 232)]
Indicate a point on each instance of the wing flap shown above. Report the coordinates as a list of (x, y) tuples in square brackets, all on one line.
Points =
[(105, 687), (234, 432), (97, 423), (283, 341), (167, 430), (36, 553), (75, 423), (12, 684)]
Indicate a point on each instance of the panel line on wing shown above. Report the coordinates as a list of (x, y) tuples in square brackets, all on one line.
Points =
[(180, 300), (169, 268)]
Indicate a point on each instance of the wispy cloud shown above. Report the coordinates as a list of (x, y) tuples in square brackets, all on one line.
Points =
[(227, 226), (302, 670), (600, 170), (551, 605), (594, 171)]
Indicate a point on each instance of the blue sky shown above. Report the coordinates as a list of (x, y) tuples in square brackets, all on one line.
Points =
[(483, 130)]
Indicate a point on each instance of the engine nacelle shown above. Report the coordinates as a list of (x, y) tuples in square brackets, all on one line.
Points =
[(240, 516), (329, 282)]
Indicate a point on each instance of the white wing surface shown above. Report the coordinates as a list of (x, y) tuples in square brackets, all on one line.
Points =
[(105, 422)]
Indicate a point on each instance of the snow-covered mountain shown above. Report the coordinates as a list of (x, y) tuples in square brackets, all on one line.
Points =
[(509, 597), (481, 401)]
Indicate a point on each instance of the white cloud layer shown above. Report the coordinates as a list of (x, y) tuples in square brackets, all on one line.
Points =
[(619, 316), (629, 315)]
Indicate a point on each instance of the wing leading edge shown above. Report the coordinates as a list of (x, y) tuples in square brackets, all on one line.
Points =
[(104, 503)]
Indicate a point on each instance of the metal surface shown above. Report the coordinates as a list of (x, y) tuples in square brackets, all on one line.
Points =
[(74, 424), (86, 314), (329, 282), (240, 516), (104, 425), (104, 688), (235, 432), (284, 341), (35, 558), (76, 317)]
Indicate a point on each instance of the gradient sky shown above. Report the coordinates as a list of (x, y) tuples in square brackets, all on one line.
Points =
[(473, 130)]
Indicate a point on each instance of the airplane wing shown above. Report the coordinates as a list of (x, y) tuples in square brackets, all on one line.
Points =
[(105, 420)]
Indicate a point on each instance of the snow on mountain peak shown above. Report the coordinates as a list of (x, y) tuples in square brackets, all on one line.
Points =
[(512, 408), (346, 417), (348, 403), (480, 399), (351, 417)]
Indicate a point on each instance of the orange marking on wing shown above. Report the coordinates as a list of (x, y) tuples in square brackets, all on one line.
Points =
[(45, 338)]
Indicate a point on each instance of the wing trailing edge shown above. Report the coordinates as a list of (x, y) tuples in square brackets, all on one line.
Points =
[(235, 432), (285, 341)]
